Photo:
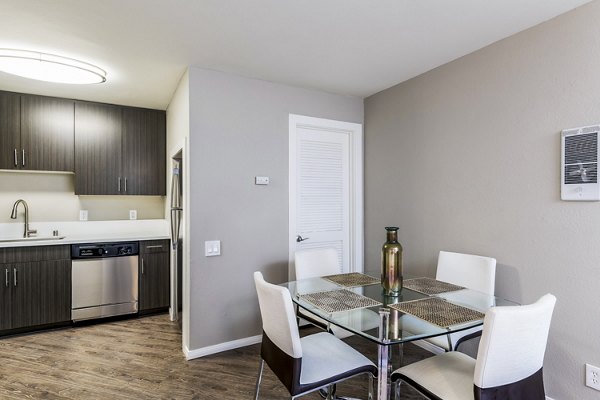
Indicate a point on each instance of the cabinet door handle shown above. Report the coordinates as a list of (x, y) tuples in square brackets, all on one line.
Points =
[(6, 278), (155, 246), (119, 184), (142, 266), (16, 159), (15, 275), (125, 185), (23, 161)]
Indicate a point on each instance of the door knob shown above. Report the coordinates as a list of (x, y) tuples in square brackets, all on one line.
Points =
[(301, 239)]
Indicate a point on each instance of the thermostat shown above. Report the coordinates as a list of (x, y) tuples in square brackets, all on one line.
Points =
[(261, 180)]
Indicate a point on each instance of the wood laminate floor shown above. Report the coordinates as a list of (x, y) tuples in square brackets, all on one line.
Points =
[(142, 359)]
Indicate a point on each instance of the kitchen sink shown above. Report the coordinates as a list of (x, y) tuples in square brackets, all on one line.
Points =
[(31, 239)]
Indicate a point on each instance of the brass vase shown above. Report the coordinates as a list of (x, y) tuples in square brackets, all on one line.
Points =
[(391, 263)]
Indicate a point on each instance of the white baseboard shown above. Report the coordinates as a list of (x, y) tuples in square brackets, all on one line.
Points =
[(428, 346), (549, 398), (217, 348)]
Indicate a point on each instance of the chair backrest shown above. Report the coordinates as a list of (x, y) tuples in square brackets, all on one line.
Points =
[(279, 319), (312, 263), (471, 271), (513, 343)]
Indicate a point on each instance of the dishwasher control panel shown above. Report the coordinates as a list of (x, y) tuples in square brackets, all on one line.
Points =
[(102, 250)]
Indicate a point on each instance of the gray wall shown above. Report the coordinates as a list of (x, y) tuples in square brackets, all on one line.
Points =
[(467, 158), (239, 129)]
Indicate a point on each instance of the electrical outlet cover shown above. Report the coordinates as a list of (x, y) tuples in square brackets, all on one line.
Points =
[(83, 215), (132, 214), (212, 248), (592, 376)]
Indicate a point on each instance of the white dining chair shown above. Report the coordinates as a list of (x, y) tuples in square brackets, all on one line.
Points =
[(313, 263), (472, 272), (508, 365), (468, 270), (306, 364)]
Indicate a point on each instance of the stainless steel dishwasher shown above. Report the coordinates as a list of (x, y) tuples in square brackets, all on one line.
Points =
[(104, 280)]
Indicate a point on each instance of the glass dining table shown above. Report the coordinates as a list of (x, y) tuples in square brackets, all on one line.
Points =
[(425, 308)]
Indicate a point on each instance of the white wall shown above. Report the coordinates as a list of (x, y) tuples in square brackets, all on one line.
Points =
[(178, 128), (239, 129), (467, 158), (51, 197)]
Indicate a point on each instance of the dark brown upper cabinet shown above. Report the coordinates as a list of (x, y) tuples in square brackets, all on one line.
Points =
[(144, 149), (36, 133), (119, 150), (97, 149), (47, 133), (10, 130)]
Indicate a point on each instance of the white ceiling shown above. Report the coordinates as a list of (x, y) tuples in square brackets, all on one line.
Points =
[(351, 47)]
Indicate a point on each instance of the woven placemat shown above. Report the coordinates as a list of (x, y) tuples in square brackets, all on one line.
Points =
[(353, 279), (430, 286), (438, 311), (338, 300)]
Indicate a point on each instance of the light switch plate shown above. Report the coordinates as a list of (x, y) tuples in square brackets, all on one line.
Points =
[(212, 248), (132, 214), (83, 215)]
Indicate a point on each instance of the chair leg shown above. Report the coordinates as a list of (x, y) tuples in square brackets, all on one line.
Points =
[(370, 387), (330, 392), (397, 389), (450, 347), (259, 377)]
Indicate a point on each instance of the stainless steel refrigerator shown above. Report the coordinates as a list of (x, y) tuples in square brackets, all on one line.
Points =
[(176, 216)]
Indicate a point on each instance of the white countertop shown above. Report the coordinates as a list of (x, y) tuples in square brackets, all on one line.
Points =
[(85, 232)]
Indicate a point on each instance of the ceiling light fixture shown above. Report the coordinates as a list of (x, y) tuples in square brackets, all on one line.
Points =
[(49, 67)]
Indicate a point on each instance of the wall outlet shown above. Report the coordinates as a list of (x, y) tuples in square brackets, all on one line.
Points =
[(212, 248), (592, 376), (132, 214), (83, 215)]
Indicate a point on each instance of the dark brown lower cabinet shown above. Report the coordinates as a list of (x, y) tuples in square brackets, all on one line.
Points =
[(6, 297), (35, 291), (154, 275)]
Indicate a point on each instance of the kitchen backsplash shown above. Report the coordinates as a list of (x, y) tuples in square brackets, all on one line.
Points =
[(90, 229), (51, 197)]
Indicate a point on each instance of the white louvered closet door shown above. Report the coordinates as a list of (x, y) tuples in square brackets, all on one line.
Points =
[(323, 191)]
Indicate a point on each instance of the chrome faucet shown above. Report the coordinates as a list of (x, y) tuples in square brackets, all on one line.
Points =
[(27, 232)]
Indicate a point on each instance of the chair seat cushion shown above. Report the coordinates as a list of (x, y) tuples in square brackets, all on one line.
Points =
[(447, 376), (324, 356)]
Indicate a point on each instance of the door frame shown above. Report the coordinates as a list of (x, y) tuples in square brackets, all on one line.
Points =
[(356, 189)]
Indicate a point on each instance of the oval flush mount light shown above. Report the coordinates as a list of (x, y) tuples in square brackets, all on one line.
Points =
[(49, 67)]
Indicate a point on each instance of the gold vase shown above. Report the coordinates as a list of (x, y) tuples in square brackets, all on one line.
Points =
[(391, 263)]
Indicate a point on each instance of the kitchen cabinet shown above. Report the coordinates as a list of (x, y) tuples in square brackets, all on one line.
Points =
[(119, 150), (97, 148), (144, 151), (10, 130), (36, 286), (154, 275), (113, 150), (36, 132), (47, 133)]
